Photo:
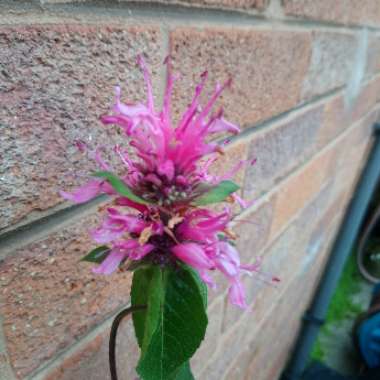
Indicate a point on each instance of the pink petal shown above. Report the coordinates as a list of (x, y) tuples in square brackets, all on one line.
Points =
[(222, 125), (193, 254), (106, 234), (227, 267), (167, 169), (206, 278), (84, 193), (111, 263), (148, 81), (140, 252), (127, 202), (236, 294), (230, 252)]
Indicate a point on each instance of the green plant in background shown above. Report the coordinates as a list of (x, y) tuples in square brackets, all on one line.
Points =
[(343, 304)]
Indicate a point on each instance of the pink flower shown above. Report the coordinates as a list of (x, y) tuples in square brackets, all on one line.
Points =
[(194, 255), (166, 169)]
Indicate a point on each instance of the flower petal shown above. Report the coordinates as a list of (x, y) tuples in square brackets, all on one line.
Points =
[(111, 263), (84, 193), (236, 294), (194, 255)]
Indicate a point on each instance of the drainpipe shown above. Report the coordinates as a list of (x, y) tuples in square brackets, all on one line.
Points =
[(314, 318)]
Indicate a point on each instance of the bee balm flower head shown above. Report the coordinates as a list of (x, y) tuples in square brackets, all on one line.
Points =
[(157, 215)]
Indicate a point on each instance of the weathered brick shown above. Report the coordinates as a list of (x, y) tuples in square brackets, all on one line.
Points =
[(365, 12), (373, 55), (252, 228), (298, 190), (240, 366), (5, 366), (352, 151), (331, 63), (340, 113), (329, 10), (212, 338), (91, 360), (56, 80), (49, 299), (260, 62), (280, 149), (231, 343), (287, 312)]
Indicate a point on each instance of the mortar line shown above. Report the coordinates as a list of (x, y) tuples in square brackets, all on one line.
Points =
[(178, 13), (52, 364), (40, 228)]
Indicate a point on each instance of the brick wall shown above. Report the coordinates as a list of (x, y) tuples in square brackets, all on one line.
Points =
[(306, 92)]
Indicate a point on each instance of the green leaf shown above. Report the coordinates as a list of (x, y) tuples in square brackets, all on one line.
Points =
[(120, 187), (183, 373), (180, 325), (97, 255), (217, 194), (146, 290), (201, 285)]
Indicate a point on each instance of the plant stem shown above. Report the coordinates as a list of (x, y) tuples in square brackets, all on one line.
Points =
[(112, 342)]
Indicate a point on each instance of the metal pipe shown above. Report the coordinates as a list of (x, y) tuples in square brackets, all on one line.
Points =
[(348, 232)]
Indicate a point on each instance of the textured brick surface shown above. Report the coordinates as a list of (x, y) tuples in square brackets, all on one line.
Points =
[(267, 68), (230, 344), (340, 112), (373, 56), (55, 83), (300, 189), (49, 299), (91, 360), (366, 12), (229, 4), (331, 63), (212, 338), (287, 312), (281, 149)]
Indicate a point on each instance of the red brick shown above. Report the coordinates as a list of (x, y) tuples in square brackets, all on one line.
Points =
[(280, 149), (91, 360), (329, 10), (331, 63), (240, 365), (340, 113), (49, 299), (252, 228), (212, 338), (298, 190), (373, 55), (56, 80), (287, 312), (365, 12), (231, 344), (267, 68)]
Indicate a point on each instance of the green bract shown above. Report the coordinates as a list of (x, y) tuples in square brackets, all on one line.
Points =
[(217, 194), (97, 255), (120, 187)]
